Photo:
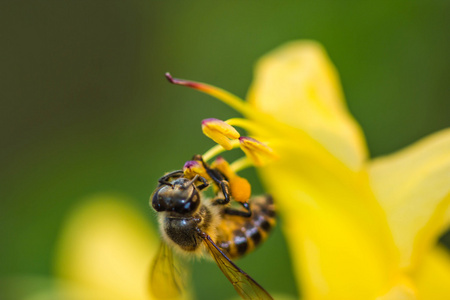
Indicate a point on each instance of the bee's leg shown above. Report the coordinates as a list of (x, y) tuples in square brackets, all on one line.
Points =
[(200, 187), (235, 212), (165, 178), (204, 184), (220, 181), (201, 233), (223, 184)]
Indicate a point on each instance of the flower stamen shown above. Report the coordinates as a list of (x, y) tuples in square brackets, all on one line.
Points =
[(224, 96), (194, 167), (220, 132), (247, 125), (241, 164), (217, 149), (259, 153)]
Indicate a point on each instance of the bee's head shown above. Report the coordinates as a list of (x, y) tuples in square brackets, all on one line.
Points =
[(180, 196)]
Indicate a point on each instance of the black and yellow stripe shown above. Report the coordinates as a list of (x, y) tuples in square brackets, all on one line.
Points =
[(237, 235)]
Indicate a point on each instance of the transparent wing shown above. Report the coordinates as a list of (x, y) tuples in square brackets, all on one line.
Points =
[(246, 287), (165, 277)]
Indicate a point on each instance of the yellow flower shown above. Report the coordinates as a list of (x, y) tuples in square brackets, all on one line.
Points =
[(104, 253), (357, 228)]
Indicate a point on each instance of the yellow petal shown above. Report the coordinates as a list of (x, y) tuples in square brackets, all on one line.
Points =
[(403, 289), (433, 276), (336, 231), (106, 248), (413, 186), (298, 85)]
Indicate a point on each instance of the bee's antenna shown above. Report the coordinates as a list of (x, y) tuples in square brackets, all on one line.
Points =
[(192, 181)]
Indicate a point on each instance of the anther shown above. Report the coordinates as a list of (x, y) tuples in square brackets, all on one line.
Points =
[(194, 168), (259, 153), (220, 132)]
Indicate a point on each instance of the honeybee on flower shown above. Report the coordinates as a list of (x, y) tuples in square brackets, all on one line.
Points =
[(357, 228)]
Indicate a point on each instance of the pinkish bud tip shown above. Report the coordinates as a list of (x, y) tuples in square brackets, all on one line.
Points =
[(190, 163), (169, 77), (249, 139), (188, 83), (206, 121)]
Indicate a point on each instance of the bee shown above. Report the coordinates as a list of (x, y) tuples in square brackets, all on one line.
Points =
[(194, 225)]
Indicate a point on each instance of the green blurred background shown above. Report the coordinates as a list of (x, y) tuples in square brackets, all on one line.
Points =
[(85, 107)]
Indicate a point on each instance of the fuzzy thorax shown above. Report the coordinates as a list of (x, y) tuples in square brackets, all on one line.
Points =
[(180, 231)]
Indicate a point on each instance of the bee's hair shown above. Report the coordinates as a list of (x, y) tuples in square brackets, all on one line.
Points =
[(209, 226)]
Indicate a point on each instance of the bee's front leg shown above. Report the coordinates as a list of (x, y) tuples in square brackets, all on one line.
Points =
[(165, 179), (225, 187), (204, 184)]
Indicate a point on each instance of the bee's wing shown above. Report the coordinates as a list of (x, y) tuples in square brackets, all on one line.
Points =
[(246, 287), (165, 276)]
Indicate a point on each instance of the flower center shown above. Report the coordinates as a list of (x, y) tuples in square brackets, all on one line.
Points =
[(225, 135)]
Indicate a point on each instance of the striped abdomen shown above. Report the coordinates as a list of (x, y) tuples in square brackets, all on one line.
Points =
[(238, 235)]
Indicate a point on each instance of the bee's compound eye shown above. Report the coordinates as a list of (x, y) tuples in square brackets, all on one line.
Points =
[(193, 202), (188, 206), (158, 203)]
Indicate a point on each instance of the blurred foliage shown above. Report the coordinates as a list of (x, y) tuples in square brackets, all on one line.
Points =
[(86, 108)]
